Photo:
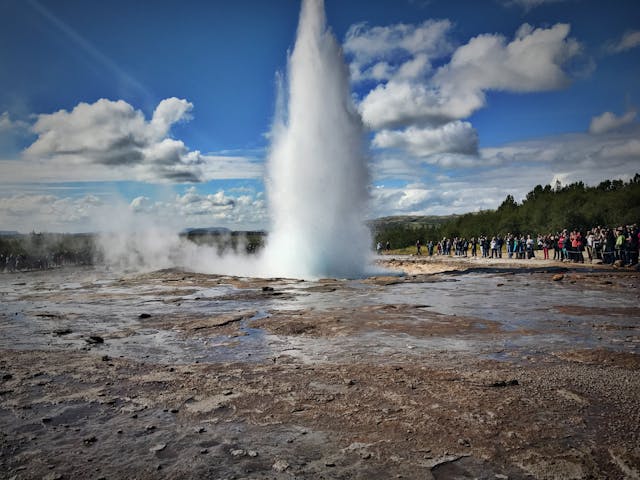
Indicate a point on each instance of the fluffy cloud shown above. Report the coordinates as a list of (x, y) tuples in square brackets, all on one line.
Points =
[(455, 137), (104, 132), (114, 134), (398, 104), (401, 50), (609, 121), (532, 61), (110, 140), (628, 41)]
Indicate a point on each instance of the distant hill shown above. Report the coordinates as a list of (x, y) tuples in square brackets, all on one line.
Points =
[(410, 221), (8, 233), (219, 231), (205, 231)]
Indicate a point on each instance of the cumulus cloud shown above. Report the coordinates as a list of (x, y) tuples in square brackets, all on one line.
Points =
[(609, 121), (533, 61), (400, 50), (114, 134), (629, 40), (420, 110), (110, 140), (455, 137), (398, 104)]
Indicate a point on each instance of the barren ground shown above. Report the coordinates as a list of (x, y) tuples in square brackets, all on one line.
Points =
[(197, 376)]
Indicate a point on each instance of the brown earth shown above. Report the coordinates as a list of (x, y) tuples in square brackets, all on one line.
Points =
[(357, 413)]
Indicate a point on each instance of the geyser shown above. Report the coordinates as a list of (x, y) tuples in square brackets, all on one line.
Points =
[(318, 177)]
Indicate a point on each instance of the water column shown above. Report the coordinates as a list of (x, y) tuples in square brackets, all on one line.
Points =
[(317, 180)]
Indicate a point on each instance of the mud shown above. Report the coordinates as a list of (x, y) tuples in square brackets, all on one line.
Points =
[(501, 372)]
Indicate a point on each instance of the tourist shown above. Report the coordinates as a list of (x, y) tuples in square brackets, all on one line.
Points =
[(589, 246), (493, 247), (620, 239), (529, 246), (545, 247)]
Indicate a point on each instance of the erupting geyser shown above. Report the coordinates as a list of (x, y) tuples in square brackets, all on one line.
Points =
[(317, 168)]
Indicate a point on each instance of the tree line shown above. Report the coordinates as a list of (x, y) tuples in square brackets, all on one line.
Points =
[(544, 210)]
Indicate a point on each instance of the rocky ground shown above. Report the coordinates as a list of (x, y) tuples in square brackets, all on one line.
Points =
[(330, 401)]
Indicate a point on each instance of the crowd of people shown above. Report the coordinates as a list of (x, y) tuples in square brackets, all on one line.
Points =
[(609, 245)]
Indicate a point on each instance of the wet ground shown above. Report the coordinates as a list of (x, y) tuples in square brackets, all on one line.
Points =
[(492, 370)]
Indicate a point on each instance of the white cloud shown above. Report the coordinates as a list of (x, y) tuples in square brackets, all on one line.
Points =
[(401, 103), (110, 140), (455, 137), (115, 135), (609, 121), (629, 40), (532, 61), (380, 53)]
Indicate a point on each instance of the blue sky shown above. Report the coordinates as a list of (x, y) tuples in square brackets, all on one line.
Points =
[(164, 108)]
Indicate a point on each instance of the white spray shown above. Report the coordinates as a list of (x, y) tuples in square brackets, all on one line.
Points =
[(317, 168)]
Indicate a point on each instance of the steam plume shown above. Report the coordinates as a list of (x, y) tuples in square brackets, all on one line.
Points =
[(317, 168)]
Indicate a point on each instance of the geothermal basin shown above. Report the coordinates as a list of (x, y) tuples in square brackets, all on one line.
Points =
[(457, 369)]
